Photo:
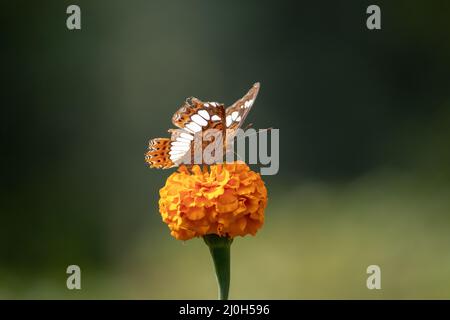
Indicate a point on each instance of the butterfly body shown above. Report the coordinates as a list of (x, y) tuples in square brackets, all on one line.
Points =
[(194, 118)]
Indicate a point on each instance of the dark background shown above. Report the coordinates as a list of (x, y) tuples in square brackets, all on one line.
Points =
[(364, 159)]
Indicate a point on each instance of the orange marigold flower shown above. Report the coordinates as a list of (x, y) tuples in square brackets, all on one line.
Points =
[(223, 199)]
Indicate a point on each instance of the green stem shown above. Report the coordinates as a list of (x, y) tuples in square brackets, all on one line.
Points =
[(219, 247)]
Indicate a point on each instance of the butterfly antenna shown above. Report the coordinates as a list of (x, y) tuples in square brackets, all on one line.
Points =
[(261, 130)]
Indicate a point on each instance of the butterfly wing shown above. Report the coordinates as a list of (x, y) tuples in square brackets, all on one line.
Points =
[(192, 118), (158, 155), (196, 115), (238, 111)]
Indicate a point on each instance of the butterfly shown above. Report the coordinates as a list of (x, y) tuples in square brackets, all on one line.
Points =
[(195, 117)]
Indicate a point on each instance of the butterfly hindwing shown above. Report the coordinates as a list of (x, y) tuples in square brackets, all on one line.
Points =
[(158, 154)]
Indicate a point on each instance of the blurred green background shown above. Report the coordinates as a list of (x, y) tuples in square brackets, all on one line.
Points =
[(364, 119)]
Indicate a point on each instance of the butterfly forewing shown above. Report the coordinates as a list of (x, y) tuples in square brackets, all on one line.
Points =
[(195, 115), (238, 111), (193, 118)]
